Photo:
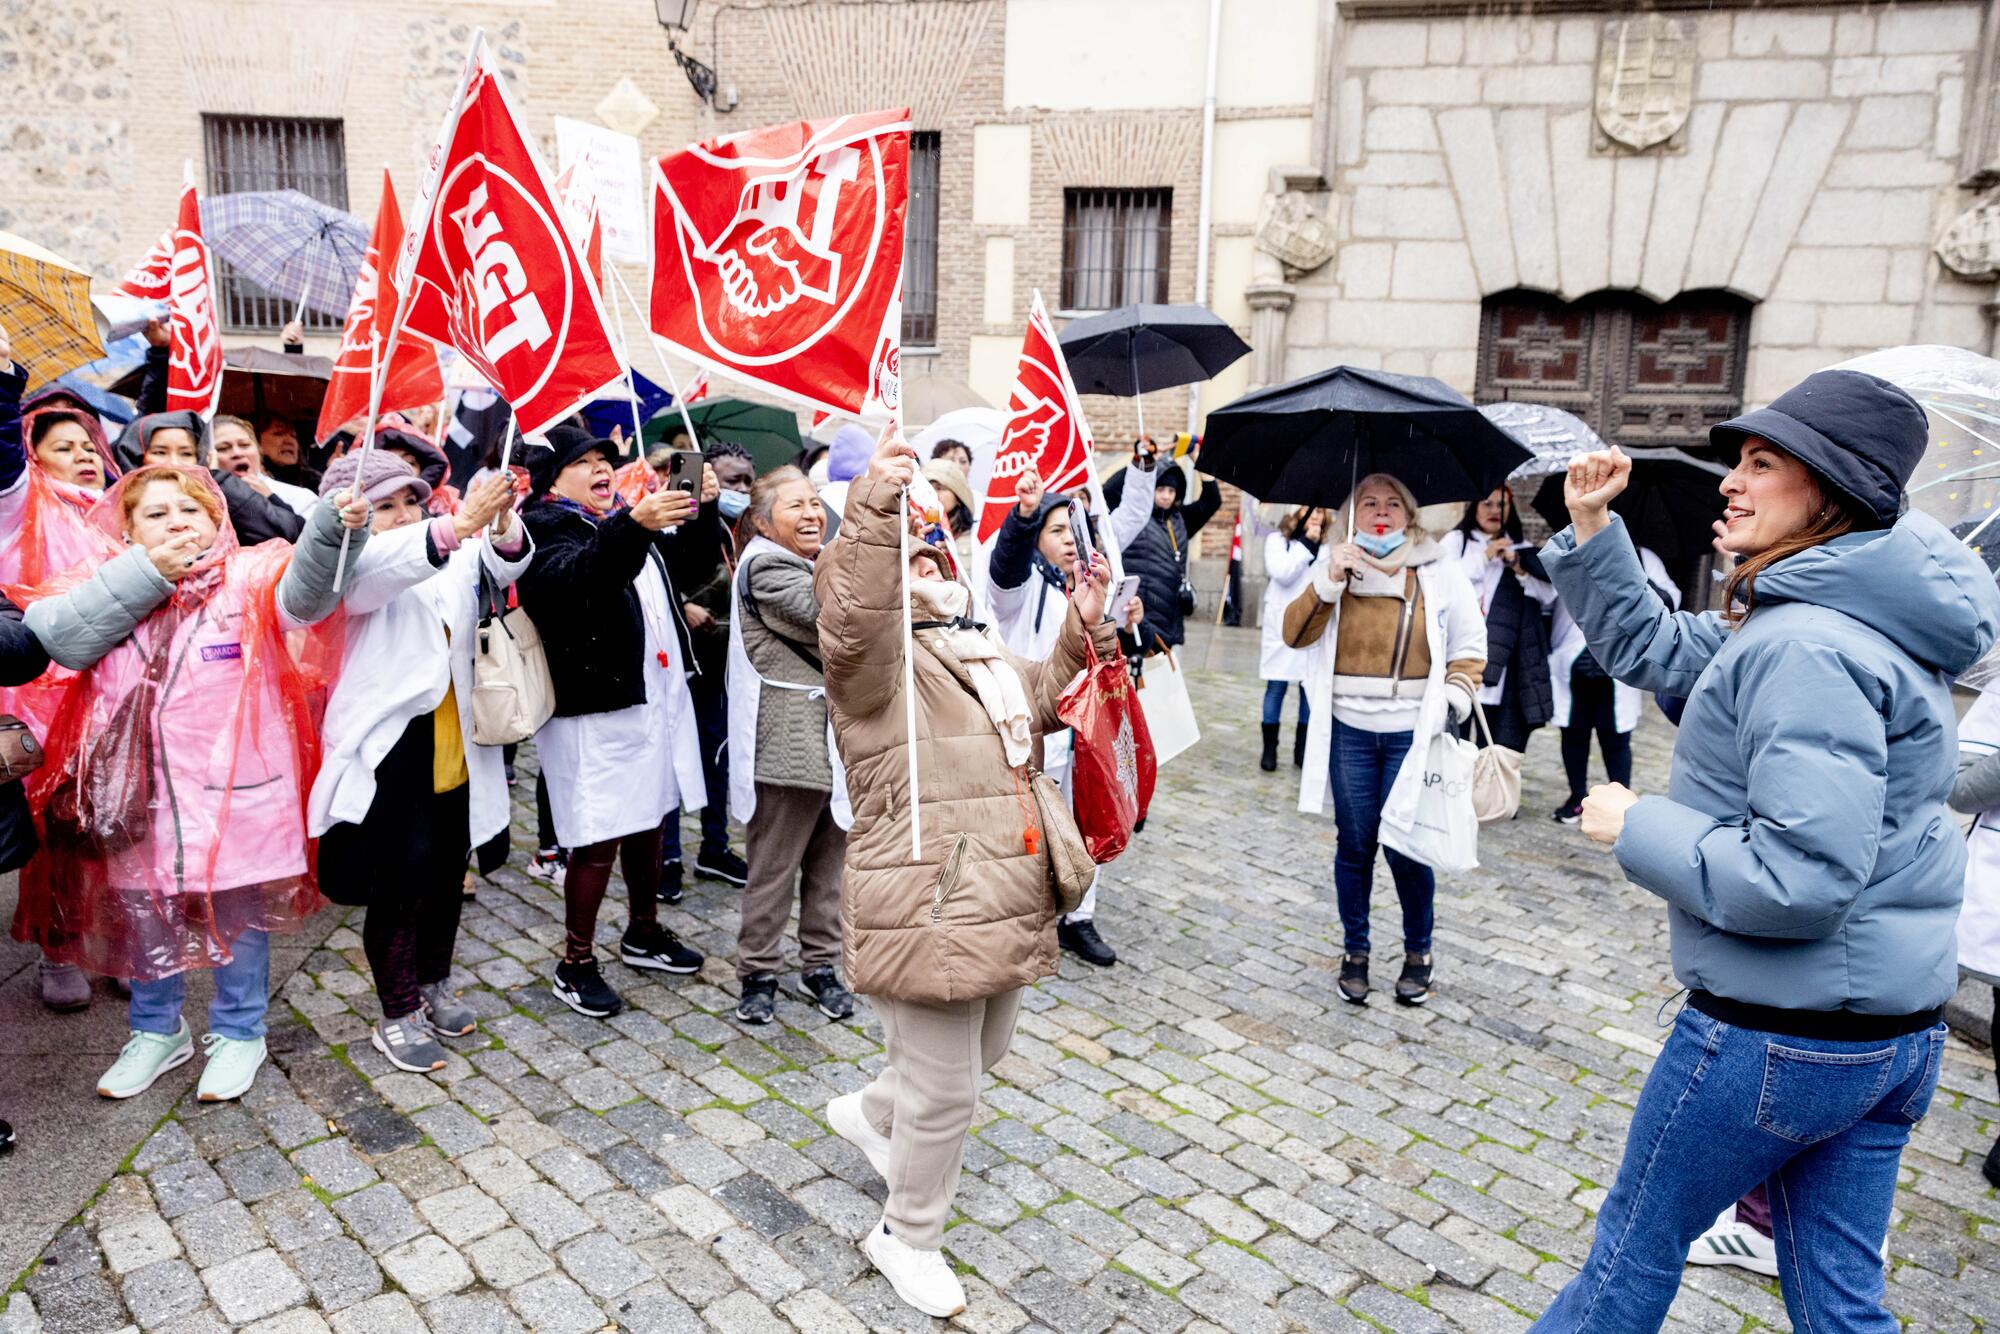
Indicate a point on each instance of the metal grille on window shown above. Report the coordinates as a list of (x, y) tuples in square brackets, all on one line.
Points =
[(269, 153), (1117, 247), (920, 242)]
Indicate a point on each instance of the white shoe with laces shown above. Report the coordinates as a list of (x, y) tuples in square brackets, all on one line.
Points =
[(1729, 1242), (845, 1119), (921, 1278)]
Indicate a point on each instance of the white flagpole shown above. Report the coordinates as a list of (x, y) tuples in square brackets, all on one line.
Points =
[(513, 434), (405, 274), (625, 355), (673, 382)]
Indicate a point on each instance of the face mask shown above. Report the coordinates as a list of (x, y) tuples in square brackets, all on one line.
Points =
[(1379, 545), (732, 504)]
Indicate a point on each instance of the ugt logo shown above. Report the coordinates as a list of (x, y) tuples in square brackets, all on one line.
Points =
[(778, 240), (490, 229), (192, 309)]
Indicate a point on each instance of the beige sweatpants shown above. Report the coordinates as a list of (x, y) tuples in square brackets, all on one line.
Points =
[(791, 842), (925, 1097)]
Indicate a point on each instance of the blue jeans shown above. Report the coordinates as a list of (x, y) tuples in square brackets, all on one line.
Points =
[(1364, 769), (1823, 1124), (1274, 702), (242, 994)]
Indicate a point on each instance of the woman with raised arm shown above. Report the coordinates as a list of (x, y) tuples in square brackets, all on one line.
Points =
[(1811, 868), (173, 796), (941, 943)]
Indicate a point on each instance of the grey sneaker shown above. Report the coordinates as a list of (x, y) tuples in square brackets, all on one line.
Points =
[(444, 1014), (64, 987), (408, 1044)]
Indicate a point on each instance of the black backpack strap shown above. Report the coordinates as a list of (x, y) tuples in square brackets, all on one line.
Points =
[(805, 654)]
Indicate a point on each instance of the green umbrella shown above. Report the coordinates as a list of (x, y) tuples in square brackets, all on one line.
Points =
[(770, 434)]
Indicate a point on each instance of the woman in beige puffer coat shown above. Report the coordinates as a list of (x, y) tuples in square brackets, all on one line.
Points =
[(941, 945)]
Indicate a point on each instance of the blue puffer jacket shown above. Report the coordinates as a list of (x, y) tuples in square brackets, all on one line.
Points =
[(1803, 847)]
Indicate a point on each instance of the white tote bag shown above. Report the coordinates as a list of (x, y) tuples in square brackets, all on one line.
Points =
[(1445, 833), (1163, 694)]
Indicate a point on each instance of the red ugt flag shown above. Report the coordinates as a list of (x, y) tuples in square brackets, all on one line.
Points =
[(151, 278), (578, 192), (490, 268), (412, 379), (1045, 427), (778, 257), (194, 355)]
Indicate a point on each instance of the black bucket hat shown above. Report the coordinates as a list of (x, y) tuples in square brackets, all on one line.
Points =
[(1862, 436), (567, 444)]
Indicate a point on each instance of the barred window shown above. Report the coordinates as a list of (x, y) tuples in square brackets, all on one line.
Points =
[(1116, 247), (920, 242), (273, 153)]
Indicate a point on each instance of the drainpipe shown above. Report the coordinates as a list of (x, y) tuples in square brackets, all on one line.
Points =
[(1207, 179)]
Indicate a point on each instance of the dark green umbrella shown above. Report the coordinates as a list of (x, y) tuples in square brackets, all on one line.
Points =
[(770, 434)]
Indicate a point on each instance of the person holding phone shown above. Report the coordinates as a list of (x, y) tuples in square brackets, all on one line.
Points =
[(1516, 693), (621, 750), (1288, 557)]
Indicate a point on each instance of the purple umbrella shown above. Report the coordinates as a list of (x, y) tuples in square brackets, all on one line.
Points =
[(290, 244)]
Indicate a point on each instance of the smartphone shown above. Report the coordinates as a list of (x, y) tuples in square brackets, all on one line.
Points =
[(684, 470), (1121, 601), (1079, 527)]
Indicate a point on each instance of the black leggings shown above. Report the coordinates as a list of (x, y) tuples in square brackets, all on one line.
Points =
[(589, 876), (406, 861), (1592, 707)]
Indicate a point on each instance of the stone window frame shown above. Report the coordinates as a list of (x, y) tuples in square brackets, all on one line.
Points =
[(303, 153), (920, 241)]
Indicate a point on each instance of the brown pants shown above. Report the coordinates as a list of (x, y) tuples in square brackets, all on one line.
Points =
[(925, 1097), (791, 840)]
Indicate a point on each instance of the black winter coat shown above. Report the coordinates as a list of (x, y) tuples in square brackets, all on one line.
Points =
[(22, 659), (1517, 645), (579, 593), (1159, 556)]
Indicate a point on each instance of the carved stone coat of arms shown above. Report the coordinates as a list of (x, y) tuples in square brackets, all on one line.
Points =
[(1645, 79)]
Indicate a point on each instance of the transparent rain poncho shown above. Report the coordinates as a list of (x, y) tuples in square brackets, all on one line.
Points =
[(172, 801)]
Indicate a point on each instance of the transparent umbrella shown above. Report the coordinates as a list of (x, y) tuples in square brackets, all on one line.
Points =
[(1958, 481), (1553, 436)]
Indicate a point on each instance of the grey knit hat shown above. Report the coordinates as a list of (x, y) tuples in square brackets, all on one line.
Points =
[(386, 475)]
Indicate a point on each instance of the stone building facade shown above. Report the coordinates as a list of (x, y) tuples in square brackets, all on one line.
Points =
[(1652, 214)]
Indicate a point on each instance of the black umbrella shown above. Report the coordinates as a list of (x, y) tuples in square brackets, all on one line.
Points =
[(1305, 443), (1136, 349), (1670, 505)]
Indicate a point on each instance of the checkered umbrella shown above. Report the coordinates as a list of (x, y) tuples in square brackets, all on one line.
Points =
[(45, 309), (290, 244)]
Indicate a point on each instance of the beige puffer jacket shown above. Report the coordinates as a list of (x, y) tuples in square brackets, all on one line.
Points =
[(976, 916)]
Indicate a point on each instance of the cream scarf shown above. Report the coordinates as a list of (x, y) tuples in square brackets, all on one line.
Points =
[(994, 679)]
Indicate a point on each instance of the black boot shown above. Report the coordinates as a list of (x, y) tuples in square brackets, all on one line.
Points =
[(1268, 761), (1299, 747)]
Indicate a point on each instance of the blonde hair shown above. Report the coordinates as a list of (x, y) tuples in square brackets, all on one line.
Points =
[(1415, 528), (183, 479)]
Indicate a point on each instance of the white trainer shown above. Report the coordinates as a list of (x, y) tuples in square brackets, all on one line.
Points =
[(921, 1278), (844, 1116), (1729, 1242)]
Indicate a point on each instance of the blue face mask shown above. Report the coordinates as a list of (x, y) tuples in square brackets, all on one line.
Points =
[(1381, 546), (732, 504)]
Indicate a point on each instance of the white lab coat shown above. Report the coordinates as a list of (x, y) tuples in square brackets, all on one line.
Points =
[(613, 774), (1566, 644), (1287, 570), (1486, 572), (396, 663)]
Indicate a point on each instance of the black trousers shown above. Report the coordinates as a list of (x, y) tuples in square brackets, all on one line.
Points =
[(406, 862), (1593, 708)]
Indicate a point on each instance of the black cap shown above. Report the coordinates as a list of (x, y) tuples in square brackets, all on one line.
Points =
[(567, 444)]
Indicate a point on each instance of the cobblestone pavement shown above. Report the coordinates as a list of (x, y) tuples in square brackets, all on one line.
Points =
[(1202, 1138)]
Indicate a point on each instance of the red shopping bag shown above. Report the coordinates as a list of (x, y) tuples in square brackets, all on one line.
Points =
[(1111, 783)]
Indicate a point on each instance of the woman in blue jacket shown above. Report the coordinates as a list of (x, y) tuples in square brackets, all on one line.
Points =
[(1811, 869)]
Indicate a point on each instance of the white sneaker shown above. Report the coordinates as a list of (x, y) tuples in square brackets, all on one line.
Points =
[(921, 1278), (1729, 1242), (844, 1116)]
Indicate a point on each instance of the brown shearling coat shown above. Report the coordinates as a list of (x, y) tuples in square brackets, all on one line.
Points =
[(976, 915)]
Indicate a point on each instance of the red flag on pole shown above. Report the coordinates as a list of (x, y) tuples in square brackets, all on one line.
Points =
[(490, 269), (697, 388), (778, 257), (586, 227), (194, 358), (151, 278), (1045, 428), (413, 378)]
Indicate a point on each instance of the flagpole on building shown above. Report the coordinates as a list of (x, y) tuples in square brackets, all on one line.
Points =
[(673, 381)]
